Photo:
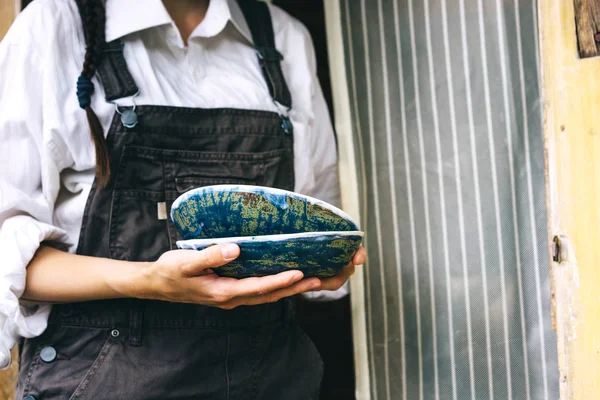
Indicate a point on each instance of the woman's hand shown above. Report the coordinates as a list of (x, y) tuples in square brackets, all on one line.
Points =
[(186, 276), (54, 276)]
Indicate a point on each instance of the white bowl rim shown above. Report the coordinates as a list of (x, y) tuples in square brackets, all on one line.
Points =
[(265, 238), (252, 189)]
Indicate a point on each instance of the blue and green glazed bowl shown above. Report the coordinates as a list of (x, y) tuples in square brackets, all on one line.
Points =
[(320, 254), (276, 230)]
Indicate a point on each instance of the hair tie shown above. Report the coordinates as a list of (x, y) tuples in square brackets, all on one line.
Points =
[(85, 88)]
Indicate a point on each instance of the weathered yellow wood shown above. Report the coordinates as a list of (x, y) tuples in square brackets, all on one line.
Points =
[(571, 96), (587, 22), (8, 377), (7, 15)]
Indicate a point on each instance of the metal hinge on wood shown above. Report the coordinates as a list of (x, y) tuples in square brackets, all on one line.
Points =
[(560, 249)]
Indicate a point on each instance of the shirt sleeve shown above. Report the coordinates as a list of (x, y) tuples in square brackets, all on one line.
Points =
[(324, 162), (29, 182)]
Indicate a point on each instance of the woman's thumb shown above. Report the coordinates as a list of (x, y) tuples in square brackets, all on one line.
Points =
[(211, 257)]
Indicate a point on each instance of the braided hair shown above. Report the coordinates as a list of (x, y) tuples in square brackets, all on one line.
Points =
[(93, 15)]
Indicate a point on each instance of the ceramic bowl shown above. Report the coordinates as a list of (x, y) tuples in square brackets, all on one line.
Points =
[(221, 211), (320, 254), (276, 229)]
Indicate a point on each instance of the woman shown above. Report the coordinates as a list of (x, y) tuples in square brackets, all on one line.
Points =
[(177, 94)]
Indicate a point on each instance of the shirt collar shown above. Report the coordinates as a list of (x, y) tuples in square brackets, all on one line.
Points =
[(124, 17)]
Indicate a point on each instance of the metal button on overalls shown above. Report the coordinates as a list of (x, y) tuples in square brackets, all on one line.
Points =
[(48, 354), (170, 350)]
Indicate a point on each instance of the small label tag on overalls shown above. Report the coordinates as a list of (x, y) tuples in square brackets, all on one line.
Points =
[(161, 209)]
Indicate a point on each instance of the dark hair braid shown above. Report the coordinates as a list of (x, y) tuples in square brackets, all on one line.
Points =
[(93, 16)]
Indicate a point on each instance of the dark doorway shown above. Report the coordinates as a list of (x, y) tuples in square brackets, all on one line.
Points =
[(328, 324), (312, 14)]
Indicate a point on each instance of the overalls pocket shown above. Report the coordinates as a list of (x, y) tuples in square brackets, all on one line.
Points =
[(64, 362), (148, 180)]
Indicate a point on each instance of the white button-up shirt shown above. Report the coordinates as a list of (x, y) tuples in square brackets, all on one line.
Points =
[(47, 161)]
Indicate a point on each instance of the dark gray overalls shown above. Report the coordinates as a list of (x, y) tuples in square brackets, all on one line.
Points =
[(139, 349)]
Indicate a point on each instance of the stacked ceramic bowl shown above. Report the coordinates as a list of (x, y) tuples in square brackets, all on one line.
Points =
[(276, 230)]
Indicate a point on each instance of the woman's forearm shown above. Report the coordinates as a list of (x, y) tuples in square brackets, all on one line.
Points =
[(54, 276), (183, 276)]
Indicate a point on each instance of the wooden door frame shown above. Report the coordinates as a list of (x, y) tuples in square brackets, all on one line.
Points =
[(571, 101), (349, 185)]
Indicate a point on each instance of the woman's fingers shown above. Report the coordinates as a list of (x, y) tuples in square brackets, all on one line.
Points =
[(253, 291), (337, 281), (360, 257), (304, 285), (256, 287)]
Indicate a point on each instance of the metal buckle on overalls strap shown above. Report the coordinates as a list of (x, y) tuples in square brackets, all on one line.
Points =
[(129, 118), (268, 54), (284, 114)]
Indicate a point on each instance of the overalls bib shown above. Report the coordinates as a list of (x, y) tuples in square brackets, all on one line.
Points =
[(140, 349)]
